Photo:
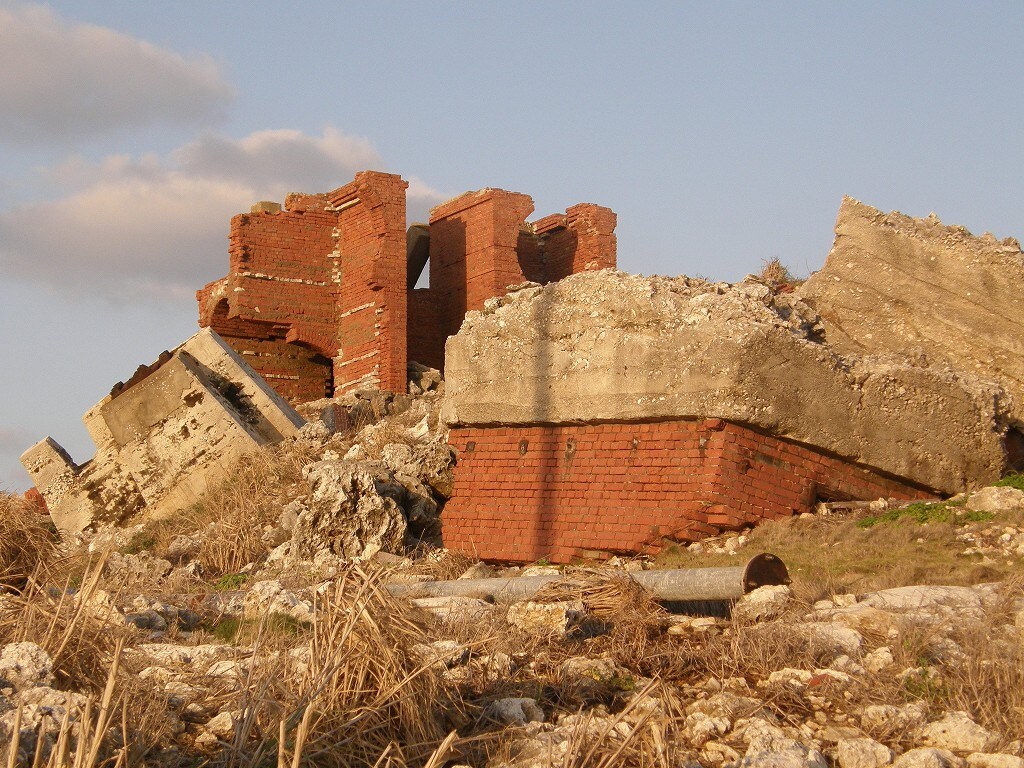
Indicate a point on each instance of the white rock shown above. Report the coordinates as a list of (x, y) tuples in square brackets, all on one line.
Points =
[(990, 760), (701, 728), (994, 499), (223, 725), (443, 653), (271, 597), (762, 604), (931, 602), (957, 732), (513, 711), (862, 753), (547, 619), (25, 665), (928, 757), (887, 718), (878, 659), (455, 608)]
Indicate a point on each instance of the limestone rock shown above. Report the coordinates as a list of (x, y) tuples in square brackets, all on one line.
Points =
[(547, 619), (515, 711), (996, 760), (993, 499), (888, 719), (878, 659), (762, 604), (454, 608), (957, 732), (862, 753), (928, 757), (270, 597), (350, 512), (25, 665)]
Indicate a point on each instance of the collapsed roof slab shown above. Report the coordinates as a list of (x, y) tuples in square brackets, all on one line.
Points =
[(162, 438), (897, 284), (606, 346)]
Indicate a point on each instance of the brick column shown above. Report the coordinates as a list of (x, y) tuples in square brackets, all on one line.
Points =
[(473, 257)]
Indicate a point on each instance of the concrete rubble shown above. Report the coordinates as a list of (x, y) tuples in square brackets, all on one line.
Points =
[(896, 284), (161, 439)]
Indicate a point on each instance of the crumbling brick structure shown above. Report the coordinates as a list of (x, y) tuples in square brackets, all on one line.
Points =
[(320, 296)]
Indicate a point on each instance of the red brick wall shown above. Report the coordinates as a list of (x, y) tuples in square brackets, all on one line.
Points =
[(525, 493), (584, 237), (370, 274), (297, 372), (278, 290), (473, 241), (426, 336)]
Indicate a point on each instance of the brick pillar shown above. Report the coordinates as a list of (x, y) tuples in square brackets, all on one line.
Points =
[(594, 226), (368, 273), (473, 257)]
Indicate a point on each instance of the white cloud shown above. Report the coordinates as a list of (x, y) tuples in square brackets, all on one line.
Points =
[(60, 80), (281, 157), (133, 229)]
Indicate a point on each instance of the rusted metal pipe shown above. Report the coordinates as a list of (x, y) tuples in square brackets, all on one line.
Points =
[(677, 585)]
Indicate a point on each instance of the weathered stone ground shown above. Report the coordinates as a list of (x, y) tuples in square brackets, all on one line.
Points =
[(218, 638)]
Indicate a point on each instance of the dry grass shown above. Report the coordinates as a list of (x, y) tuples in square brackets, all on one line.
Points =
[(232, 515), (349, 691), (86, 649), (775, 273), (28, 542)]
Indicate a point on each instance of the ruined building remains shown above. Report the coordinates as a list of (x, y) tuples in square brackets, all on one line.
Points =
[(162, 437), (590, 411), (320, 297)]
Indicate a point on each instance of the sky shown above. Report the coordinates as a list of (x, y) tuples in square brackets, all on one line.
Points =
[(723, 134)]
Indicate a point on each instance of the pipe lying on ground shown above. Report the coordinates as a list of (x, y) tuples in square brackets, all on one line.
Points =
[(680, 584)]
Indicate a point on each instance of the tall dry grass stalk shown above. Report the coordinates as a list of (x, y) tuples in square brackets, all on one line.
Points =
[(352, 692), (86, 647)]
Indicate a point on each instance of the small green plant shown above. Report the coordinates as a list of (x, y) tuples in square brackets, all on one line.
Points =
[(1012, 480), (924, 512), (143, 541), (238, 629), (230, 581)]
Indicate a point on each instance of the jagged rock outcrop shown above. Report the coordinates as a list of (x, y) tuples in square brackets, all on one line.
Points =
[(610, 346), (351, 512), (893, 283)]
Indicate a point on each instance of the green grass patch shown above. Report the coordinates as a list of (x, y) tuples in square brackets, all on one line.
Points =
[(1012, 480), (924, 513), (230, 581), (239, 629)]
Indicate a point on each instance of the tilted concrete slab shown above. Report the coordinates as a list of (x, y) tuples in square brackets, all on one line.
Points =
[(163, 438), (896, 284), (611, 346)]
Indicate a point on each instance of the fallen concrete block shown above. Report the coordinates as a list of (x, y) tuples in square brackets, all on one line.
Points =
[(606, 346), (163, 437), (892, 284)]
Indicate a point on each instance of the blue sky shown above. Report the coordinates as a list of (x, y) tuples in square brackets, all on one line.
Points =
[(723, 134)]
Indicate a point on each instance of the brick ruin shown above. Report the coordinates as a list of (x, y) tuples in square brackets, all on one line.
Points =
[(320, 297), (590, 411)]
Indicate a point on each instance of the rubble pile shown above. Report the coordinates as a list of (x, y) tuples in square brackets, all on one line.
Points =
[(874, 679)]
